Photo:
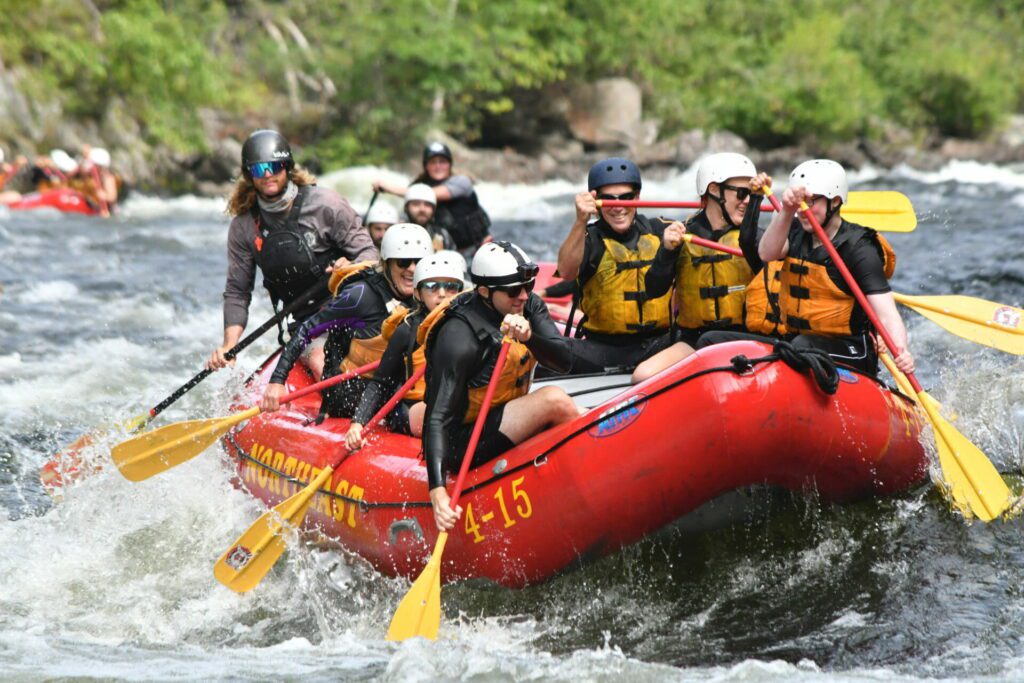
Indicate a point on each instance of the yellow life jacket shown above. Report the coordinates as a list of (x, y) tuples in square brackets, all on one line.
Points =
[(413, 361), (710, 285), (762, 314), (361, 351), (516, 374), (811, 302), (615, 297)]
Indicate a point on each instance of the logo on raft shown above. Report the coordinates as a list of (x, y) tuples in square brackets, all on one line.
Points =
[(238, 557), (619, 416), (1007, 316), (847, 376)]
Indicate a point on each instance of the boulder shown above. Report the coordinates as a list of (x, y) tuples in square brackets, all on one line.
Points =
[(607, 112)]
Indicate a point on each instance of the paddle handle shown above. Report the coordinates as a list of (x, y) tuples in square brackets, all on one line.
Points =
[(701, 242), (478, 427), (337, 379), (655, 204), (301, 300), (369, 206)]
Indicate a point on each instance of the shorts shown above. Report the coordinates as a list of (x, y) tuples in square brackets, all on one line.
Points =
[(492, 442), (592, 355)]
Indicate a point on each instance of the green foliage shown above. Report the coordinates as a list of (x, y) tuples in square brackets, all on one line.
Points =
[(775, 72)]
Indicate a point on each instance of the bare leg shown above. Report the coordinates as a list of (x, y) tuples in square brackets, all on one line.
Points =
[(416, 418), (661, 360), (527, 415), (315, 362)]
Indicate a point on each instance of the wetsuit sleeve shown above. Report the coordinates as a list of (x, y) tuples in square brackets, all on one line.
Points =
[(241, 272), (750, 234), (388, 376), (349, 233), (455, 357), (593, 252), (659, 276), (551, 348), (560, 289), (356, 305), (459, 185), (865, 264)]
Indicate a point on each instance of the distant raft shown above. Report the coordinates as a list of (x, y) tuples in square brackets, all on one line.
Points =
[(643, 457), (63, 199)]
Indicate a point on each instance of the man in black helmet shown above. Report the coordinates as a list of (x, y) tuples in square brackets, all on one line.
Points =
[(609, 258), (292, 230), (458, 209)]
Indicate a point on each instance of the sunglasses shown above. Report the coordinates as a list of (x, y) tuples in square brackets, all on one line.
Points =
[(260, 169), (404, 263), (454, 287), (741, 192), (625, 196), (515, 290)]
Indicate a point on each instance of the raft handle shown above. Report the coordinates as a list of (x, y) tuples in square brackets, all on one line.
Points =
[(400, 525)]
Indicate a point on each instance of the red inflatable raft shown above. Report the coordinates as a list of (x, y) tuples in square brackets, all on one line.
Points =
[(63, 199), (641, 458)]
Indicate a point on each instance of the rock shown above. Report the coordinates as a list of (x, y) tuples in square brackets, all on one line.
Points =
[(607, 112)]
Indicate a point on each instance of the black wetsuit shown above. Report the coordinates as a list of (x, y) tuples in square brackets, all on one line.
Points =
[(356, 312), (662, 273), (864, 261), (455, 357), (596, 351), (395, 367)]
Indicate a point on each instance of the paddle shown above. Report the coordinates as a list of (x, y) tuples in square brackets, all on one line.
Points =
[(249, 559), (882, 210), (983, 322), (68, 461), (971, 480), (151, 453), (419, 613), (373, 200)]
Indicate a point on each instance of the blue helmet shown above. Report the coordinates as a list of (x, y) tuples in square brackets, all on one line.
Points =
[(612, 172)]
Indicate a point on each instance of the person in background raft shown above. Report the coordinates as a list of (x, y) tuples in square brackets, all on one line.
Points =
[(458, 209), (379, 218), (609, 259), (710, 286), (293, 231), (462, 342), (816, 303), (8, 171), (52, 172), (96, 181), (437, 279), (363, 296), (420, 208)]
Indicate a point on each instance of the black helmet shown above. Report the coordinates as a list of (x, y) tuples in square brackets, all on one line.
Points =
[(266, 145), (436, 149), (613, 172)]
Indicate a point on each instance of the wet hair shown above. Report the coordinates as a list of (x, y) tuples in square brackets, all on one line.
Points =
[(243, 195)]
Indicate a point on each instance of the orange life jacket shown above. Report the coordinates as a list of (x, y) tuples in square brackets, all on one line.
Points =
[(763, 315), (362, 350), (414, 360)]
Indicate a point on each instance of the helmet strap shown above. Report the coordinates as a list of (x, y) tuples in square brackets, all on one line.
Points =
[(720, 200), (831, 211)]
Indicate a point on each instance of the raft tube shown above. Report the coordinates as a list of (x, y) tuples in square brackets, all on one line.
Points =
[(63, 199)]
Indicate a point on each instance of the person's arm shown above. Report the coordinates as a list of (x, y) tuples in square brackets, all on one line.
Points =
[(552, 350), (662, 272), (559, 289), (390, 187), (238, 287), (774, 243), (455, 187), (388, 376), (453, 361), (570, 254), (346, 230), (889, 316), (749, 232)]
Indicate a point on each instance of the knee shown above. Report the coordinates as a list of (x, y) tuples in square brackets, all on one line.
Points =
[(642, 373), (559, 404)]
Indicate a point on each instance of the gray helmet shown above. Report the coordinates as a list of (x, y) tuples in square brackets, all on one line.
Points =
[(436, 149), (266, 145), (613, 171)]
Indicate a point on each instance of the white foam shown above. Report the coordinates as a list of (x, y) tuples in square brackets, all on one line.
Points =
[(965, 173), (51, 291)]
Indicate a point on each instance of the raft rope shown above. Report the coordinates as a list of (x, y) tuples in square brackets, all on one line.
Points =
[(822, 367)]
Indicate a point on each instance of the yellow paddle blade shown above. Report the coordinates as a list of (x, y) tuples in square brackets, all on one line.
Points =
[(151, 453), (419, 613), (249, 559), (971, 479), (881, 210), (977, 320)]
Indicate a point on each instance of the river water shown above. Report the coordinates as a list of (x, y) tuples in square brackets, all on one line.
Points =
[(99, 320)]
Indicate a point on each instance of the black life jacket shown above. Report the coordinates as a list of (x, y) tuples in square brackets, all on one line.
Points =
[(462, 217), (286, 258)]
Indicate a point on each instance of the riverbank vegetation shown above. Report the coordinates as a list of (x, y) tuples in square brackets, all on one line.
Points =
[(356, 80)]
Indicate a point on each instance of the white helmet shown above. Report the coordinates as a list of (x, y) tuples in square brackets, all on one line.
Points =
[(63, 161), (382, 212), (502, 263), (444, 264), (421, 192), (821, 176), (100, 157), (406, 240), (717, 168)]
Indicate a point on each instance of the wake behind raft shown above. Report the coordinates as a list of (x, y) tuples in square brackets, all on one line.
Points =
[(643, 457)]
